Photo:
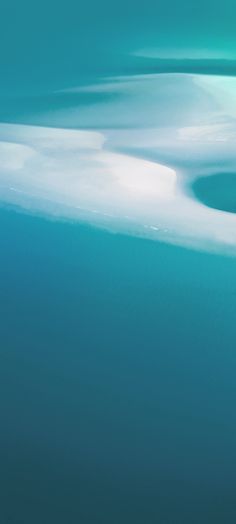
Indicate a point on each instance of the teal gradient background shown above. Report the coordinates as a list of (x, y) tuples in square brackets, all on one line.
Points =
[(117, 378), (117, 354)]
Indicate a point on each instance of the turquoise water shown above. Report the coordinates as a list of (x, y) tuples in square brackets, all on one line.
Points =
[(117, 378), (217, 191), (117, 353)]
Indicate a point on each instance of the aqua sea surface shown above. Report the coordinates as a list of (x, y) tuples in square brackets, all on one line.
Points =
[(117, 353), (117, 378)]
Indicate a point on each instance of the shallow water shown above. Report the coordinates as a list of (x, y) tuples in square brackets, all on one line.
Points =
[(117, 338)]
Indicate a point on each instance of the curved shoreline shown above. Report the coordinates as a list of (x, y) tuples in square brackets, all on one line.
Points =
[(144, 191)]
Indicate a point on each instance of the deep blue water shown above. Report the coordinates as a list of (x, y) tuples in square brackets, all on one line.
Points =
[(117, 378)]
